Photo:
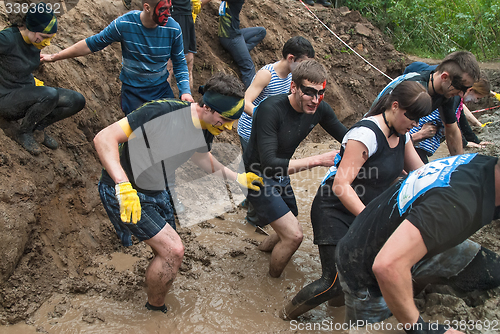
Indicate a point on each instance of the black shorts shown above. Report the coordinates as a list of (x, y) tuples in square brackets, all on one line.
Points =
[(188, 33), (330, 223), (274, 200)]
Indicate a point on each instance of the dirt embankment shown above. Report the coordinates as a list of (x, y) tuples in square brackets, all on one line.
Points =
[(53, 225)]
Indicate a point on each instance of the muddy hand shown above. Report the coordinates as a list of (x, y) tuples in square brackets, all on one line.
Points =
[(187, 97), (44, 58), (327, 159), (130, 205), (429, 130)]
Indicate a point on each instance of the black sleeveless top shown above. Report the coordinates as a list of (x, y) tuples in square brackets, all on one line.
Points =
[(379, 171)]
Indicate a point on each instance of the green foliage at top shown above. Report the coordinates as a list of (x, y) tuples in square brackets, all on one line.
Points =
[(434, 28)]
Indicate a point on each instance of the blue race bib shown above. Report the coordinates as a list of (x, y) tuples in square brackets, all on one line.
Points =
[(435, 174)]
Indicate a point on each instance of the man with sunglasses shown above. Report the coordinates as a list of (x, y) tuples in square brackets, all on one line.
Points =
[(279, 125), (446, 84), (149, 38)]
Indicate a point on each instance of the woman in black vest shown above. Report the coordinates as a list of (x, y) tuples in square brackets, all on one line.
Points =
[(374, 153)]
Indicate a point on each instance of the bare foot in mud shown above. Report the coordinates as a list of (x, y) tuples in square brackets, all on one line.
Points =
[(268, 244)]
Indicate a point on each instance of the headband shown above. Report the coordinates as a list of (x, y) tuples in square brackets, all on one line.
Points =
[(42, 19), (227, 106)]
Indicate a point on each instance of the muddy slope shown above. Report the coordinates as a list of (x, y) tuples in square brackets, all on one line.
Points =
[(53, 226)]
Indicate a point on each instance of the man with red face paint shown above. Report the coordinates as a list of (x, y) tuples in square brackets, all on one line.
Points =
[(280, 123), (148, 39)]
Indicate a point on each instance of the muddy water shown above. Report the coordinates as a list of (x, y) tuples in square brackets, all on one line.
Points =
[(233, 293)]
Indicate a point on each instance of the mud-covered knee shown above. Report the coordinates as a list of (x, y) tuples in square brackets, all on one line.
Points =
[(297, 239), (178, 251), (78, 101)]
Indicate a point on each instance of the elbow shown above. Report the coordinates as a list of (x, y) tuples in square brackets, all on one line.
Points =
[(340, 187)]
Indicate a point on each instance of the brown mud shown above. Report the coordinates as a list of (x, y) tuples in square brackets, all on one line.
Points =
[(63, 269)]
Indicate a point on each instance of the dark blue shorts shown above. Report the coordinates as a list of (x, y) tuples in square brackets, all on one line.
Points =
[(274, 200), (134, 97), (156, 211)]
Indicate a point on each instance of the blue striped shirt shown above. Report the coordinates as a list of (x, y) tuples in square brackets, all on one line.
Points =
[(431, 144), (145, 51), (276, 86)]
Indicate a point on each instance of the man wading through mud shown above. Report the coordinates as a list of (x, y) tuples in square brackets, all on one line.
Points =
[(280, 124), (139, 154)]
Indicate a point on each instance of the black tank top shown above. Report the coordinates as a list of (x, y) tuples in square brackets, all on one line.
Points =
[(379, 171)]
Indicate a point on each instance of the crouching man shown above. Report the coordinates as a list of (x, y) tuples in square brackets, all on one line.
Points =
[(416, 232), (139, 154)]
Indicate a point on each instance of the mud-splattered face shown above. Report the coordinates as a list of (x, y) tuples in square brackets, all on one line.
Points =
[(162, 12)]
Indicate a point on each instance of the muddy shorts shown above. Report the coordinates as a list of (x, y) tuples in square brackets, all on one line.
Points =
[(274, 200), (156, 211), (368, 305)]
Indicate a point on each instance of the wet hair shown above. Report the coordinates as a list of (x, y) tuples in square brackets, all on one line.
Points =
[(482, 86), (225, 84), (298, 46), (309, 70), (410, 95), (458, 63)]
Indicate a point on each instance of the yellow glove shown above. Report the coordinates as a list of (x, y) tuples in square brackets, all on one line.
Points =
[(129, 202), (196, 8), (250, 181), (497, 95), (38, 82)]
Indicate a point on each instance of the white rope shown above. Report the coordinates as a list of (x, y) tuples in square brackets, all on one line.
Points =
[(340, 39)]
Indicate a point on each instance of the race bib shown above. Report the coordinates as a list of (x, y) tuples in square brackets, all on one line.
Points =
[(435, 174)]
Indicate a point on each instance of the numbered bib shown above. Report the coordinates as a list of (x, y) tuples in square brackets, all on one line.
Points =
[(435, 174)]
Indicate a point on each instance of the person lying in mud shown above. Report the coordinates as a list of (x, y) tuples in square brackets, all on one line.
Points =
[(37, 106), (280, 123), (415, 233), (452, 77), (138, 156), (374, 153)]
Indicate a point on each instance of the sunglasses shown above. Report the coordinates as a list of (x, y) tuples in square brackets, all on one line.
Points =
[(457, 84), (411, 118), (309, 91)]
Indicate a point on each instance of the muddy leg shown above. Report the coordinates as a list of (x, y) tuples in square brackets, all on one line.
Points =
[(325, 288), (290, 236), (268, 244), (168, 249)]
